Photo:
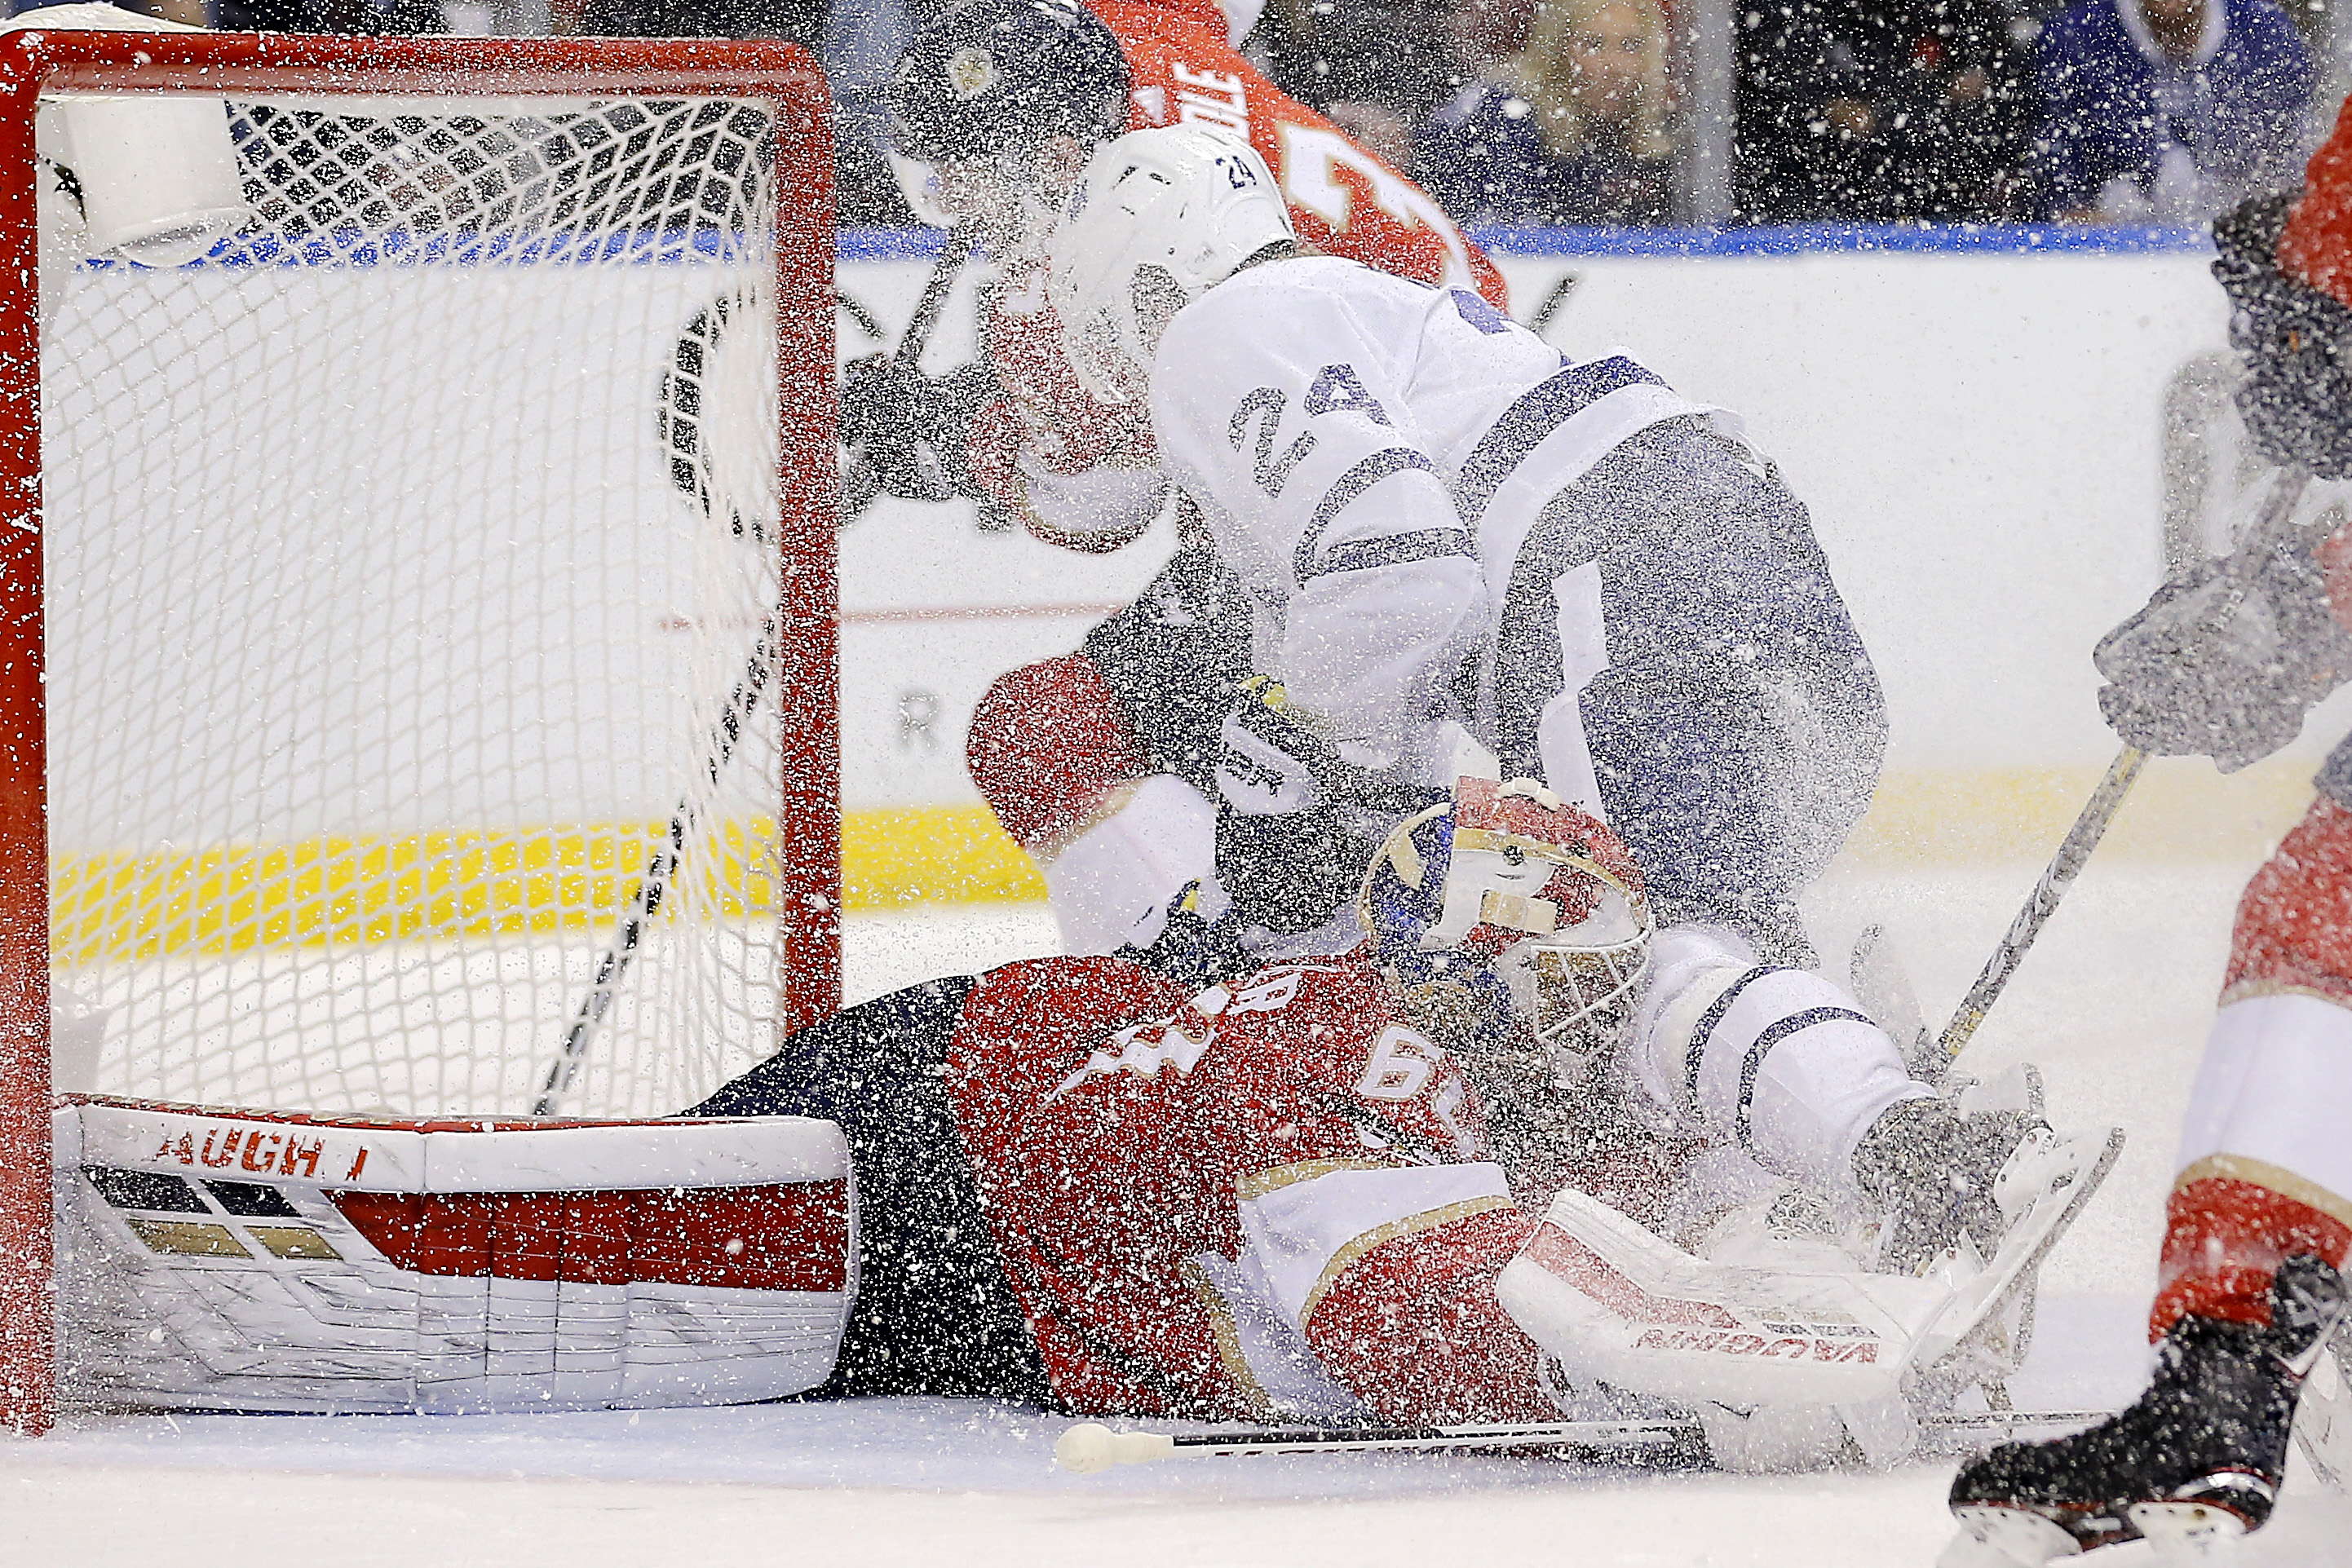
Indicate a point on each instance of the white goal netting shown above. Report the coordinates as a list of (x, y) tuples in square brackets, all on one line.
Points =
[(412, 574)]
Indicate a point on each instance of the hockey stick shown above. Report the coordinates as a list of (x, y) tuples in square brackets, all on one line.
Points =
[(2074, 850), (2090, 826), (1090, 1446), (860, 485), (698, 351), (629, 935), (653, 885)]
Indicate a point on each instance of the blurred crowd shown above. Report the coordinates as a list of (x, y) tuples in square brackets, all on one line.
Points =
[(1553, 112)]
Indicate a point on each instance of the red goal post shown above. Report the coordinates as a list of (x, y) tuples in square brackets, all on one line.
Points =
[(805, 855)]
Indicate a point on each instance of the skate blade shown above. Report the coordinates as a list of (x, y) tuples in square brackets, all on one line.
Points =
[(2030, 1240), (2187, 1531), (2006, 1538)]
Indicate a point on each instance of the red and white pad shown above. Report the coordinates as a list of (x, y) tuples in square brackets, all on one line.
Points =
[(1804, 1354), (1618, 1304), (257, 1261)]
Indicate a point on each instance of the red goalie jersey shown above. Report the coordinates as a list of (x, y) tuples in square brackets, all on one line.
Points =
[(1269, 1199), (1343, 200)]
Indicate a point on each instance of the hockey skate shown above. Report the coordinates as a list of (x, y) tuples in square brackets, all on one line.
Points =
[(2193, 1464), (1974, 1194), (2323, 1420)]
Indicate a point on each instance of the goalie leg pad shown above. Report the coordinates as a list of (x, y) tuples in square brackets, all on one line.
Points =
[(243, 1261), (1617, 1304)]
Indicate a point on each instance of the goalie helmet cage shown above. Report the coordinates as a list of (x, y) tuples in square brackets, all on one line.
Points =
[(282, 939)]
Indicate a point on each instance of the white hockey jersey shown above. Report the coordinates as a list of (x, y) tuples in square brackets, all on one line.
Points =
[(1371, 454)]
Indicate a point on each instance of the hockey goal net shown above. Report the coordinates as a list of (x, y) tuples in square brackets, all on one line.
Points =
[(424, 592)]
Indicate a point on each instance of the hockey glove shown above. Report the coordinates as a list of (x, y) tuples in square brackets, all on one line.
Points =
[(1286, 851), (2298, 396), (1203, 940), (913, 430), (2226, 662)]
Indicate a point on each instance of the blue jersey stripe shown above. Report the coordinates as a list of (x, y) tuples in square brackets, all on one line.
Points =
[(1391, 549), (1366, 473), (1522, 427), (1754, 1061)]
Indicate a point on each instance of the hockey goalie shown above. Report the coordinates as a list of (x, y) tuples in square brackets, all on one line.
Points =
[(1517, 1151)]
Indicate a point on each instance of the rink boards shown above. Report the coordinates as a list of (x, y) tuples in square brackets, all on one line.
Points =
[(1977, 423), (1979, 436)]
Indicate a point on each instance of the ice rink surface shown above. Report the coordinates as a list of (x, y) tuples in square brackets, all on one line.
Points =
[(2113, 1005)]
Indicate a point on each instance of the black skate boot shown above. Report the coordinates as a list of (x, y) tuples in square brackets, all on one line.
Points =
[(1932, 1172), (2194, 1463)]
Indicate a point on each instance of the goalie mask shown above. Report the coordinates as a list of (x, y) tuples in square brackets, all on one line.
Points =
[(1157, 217), (1529, 906)]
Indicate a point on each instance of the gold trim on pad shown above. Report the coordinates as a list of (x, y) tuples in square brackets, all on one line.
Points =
[(1346, 1257), (293, 1241), (1276, 1178), (1228, 1339), (186, 1239), (2256, 990)]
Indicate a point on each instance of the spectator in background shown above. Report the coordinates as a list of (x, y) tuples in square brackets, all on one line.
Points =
[(1487, 34), (1374, 67), (2168, 110), (1572, 130), (1882, 110), (329, 16)]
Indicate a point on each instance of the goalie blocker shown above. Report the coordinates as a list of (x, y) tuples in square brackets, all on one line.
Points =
[(266, 1261)]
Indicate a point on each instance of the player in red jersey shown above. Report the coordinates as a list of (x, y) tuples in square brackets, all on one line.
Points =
[(1098, 762), (2259, 1221), (996, 108), (1320, 1192)]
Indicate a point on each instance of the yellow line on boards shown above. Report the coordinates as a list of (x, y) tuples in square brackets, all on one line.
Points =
[(355, 889), (2181, 809)]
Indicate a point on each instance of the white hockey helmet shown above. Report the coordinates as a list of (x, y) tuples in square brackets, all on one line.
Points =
[(1157, 217)]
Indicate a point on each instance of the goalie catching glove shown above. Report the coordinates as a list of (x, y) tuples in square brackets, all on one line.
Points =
[(2225, 662)]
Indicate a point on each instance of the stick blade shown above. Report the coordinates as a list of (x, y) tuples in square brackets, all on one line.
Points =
[(1882, 982)]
